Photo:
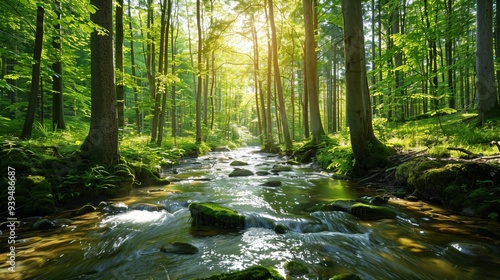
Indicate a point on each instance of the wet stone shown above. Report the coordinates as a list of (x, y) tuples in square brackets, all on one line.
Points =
[(87, 208), (44, 224), (470, 249), (180, 248), (238, 163), (239, 172), (149, 207), (272, 183)]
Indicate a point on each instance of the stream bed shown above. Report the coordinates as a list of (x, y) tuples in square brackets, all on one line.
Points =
[(422, 242)]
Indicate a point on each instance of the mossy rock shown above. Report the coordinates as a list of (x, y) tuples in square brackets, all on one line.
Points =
[(253, 273), (296, 269), (339, 205), (280, 229), (345, 276), (147, 176), (281, 168), (35, 193), (464, 186), (240, 172), (273, 183), (371, 212), (210, 214), (238, 163)]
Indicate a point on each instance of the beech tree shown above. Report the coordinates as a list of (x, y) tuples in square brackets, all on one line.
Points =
[(101, 144), (367, 149)]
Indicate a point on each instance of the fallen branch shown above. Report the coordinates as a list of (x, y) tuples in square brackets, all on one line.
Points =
[(469, 153)]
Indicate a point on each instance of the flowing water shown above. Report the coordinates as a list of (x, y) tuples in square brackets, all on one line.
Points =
[(422, 242)]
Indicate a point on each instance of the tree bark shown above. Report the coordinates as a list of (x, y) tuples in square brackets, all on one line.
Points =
[(368, 151), (57, 80), (277, 79), (200, 69), (119, 64), (35, 75), (101, 144), (486, 91), (311, 70), (134, 75)]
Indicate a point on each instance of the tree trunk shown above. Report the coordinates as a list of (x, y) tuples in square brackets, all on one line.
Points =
[(134, 75), (101, 144), (200, 69), (368, 151), (311, 70), (35, 75), (486, 92), (277, 79), (120, 105), (57, 81), (161, 123)]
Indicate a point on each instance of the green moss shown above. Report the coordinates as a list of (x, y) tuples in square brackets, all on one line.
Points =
[(345, 276), (252, 273), (371, 212), (296, 269), (454, 196), (37, 192), (211, 214)]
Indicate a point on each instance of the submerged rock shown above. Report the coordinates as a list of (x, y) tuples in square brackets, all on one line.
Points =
[(148, 207), (470, 249), (239, 172), (210, 214), (251, 273), (115, 208), (280, 229), (281, 168), (87, 208), (371, 212), (274, 183), (262, 173), (345, 276), (181, 248), (295, 269), (44, 224), (340, 205)]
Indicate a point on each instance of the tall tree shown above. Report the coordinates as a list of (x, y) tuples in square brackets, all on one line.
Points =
[(200, 69), (311, 70), (367, 149), (35, 75), (277, 79), (101, 144), (120, 89), (57, 80), (486, 91)]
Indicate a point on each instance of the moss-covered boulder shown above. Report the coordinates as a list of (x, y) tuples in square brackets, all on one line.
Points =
[(339, 205), (33, 196), (371, 212), (146, 176), (240, 172), (210, 214), (272, 183), (253, 273), (238, 163), (470, 187)]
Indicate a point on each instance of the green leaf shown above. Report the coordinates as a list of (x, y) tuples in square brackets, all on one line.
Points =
[(91, 8)]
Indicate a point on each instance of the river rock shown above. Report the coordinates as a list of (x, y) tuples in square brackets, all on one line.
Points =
[(210, 214), (62, 222), (149, 207), (470, 249), (238, 163), (253, 273), (115, 208), (239, 172), (44, 224), (87, 208), (379, 200), (274, 183), (371, 212), (345, 276), (281, 168), (280, 229), (262, 173), (180, 248), (340, 205), (295, 269)]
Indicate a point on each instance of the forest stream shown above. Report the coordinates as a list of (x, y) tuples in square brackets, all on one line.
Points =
[(124, 242)]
